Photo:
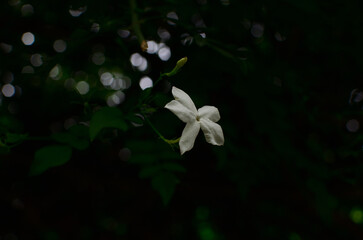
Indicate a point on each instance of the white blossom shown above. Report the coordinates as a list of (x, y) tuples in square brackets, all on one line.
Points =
[(204, 118)]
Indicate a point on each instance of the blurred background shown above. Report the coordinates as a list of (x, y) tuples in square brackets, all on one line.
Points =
[(80, 161)]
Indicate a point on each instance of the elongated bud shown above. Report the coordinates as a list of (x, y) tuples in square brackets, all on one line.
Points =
[(177, 67)]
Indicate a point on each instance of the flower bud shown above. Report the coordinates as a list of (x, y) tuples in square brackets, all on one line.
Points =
[(177, 67)]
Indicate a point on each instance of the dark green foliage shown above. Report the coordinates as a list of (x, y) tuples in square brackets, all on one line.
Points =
[(106, 117), (165, 184), (285, 75), (76, 137), (12, 138), (48, 157), (158, 164)]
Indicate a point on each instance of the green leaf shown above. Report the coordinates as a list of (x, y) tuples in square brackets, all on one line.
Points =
[(10, 123), (14, 137), (149, 171), (165, 184), (77, 137), (61, 137), (143, 158), (133, 118), (145, 94), (79, 130), (50, 156), (107, 117), (175, 167)]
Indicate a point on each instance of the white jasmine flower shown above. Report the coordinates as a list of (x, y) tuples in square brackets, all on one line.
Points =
[(205, 118)]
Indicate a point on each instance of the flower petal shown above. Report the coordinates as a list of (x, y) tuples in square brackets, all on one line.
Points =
[(209, 112), (181, 111), (188, 137), (212, 131), (184, 99)]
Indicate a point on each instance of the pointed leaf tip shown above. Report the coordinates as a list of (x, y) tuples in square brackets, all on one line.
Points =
[(107, 117)]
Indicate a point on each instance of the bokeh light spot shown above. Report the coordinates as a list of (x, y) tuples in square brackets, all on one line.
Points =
[(163, 34), (126, 82), (117, 84), (115, 99), (173, 18), (14, 2), (69, 84), (8, 90), (352, 125), (152, 47), (198, 21), (27, 10), (106, 78), (145, 82), (279, 37), (98, 58), (36, 60), (138, 124), (356, 215), (56, 72), (7, 48), (124, 154), (82, 87), (68, 123), (59, 45), (257, 30), (136, 59), (28, 38), (139, 61), (242, 53), (95, 27), (77, 12), (355, 96), (143, 65), (27, 69), (164, 53), (123, 33), (186, 39)]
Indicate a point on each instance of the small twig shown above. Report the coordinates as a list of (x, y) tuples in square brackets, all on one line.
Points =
[(168, 141), (135, 23)]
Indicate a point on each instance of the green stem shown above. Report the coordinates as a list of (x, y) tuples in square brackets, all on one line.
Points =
[(155, 130), (159, 79), (168, 141), (135, 22)]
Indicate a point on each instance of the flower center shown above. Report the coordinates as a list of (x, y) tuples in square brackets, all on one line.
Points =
[(197, 117)]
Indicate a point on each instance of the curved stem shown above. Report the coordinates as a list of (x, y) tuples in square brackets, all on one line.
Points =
[(155, 130), (168, 141)]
